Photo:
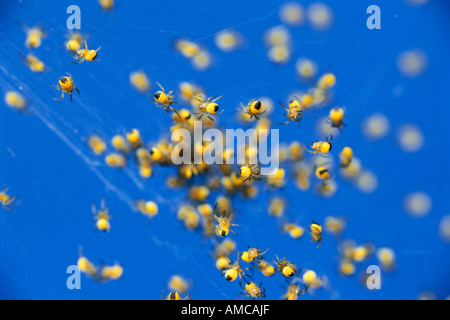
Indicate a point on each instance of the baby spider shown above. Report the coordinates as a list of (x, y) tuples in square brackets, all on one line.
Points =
[(223, 228), (321, 147), (6, 200), (312, 281), (251, 172), (235, 270), (293, 291), (163, 99), (208, 107), (253, 108), (336, 118), (253, 291), (102, 217), (316, 233), (174, 295), (286, 268), (85, 54), (322, 172), (253, 254), (66, 85), (294, 113)]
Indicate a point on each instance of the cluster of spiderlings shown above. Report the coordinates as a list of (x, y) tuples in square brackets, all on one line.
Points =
[(216, 223)]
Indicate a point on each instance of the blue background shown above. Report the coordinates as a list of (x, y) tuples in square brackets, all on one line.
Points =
[(45, 160)]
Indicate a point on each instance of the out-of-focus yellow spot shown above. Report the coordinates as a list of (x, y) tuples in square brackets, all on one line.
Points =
[(199, 193), (227, 40), (346, 267), (106, 4), (15, 100), (178, 283), (187, 48), (34, 63), (140, 81), (222, 263), (148, 208), (112, 272), (306, 68), (323, 128), (202, 60), (277, 36), (103, 224), (367, 182), (326, 81), (86, 266), (75, 41), (410, 138), (412, 63), (295, 231), (279, 54), (444, 228), (360, 253), (376, 126), (309, 277), (334, 225), (119, 143), (386, 258), (353, 169), (320, 16), (116, 160), (292, 14), (276, 207), (34, 37), (417, 204), (97, 145)]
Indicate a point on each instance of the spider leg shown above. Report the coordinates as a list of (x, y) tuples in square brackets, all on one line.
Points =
[(176, 112), (283, 106), (62, 96), (7, 208), (215, 99), (312, 152), (150, 96), (160, 86), (324, 155), (285, 122), (77, 90)]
